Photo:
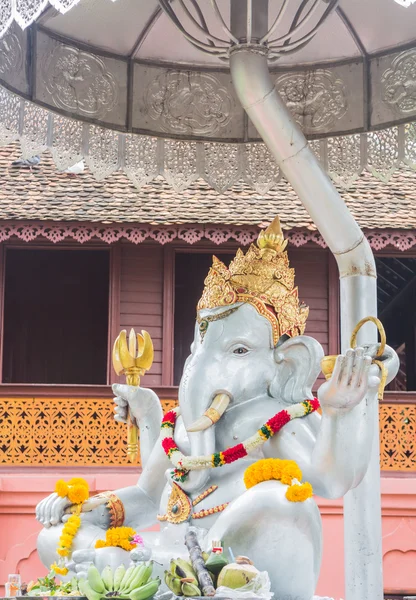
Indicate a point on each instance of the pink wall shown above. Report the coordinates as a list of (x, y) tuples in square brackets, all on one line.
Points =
[(20, 492)]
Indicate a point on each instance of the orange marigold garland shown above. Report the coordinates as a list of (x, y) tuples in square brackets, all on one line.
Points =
[(121, 537), (286, 471), (77, 492)]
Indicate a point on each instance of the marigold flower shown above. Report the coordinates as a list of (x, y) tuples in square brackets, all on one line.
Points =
[(272, 468), (59, 570), (299, 493), (77, 494), (75, 520), (66, 540), (63, 551), (290, 471), (78, 481), (61, 488), (100, 544)]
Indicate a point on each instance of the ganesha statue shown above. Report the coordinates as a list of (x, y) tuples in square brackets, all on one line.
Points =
[(245, 396)]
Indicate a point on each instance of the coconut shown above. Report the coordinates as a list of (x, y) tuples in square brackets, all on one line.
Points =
[(238, 574)]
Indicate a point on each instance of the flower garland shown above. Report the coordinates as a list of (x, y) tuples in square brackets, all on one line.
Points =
[(183, 464), (286, 471), (77, 491), (121, 537)]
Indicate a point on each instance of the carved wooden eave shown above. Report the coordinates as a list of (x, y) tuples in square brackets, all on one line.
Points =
[(81, 233)]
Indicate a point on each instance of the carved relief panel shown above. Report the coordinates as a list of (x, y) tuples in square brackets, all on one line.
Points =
[(186, 103), (80, 82)]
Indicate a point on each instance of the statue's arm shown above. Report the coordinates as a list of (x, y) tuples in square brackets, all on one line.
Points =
[(333, 450), (141, 501), (146, 410)]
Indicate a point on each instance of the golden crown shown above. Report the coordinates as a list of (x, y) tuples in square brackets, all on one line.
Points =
[(261, 277)]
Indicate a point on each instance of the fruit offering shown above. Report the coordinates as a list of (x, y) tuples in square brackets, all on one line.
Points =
[(49, 586), (237, 574), (183, 579), (134, 583)]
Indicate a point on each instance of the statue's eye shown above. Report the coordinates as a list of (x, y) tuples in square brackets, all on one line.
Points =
[(240, 350)]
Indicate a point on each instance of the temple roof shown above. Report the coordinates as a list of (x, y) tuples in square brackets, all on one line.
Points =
[(42, 193)]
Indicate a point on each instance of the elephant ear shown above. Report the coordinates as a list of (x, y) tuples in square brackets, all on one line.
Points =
[(298, 364)]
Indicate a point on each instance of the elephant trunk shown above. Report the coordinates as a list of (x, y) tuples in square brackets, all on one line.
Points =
[(202, 444)]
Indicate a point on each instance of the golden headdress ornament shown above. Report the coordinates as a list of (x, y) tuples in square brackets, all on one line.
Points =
[(261, 277)]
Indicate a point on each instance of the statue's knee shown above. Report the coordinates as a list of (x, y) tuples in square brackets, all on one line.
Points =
[(47, 543)]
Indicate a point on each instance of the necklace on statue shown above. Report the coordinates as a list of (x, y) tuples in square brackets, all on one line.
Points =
[(183, 464)]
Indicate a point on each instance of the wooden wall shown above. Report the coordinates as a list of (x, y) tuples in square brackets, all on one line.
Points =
[(311, 277), (141, 298), (142, 292)]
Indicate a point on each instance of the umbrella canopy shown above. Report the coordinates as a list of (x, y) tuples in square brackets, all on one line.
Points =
[(343, 69)]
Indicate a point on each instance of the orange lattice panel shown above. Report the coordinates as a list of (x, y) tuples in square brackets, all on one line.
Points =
[(62, 431), (397, 437), (73, 431)]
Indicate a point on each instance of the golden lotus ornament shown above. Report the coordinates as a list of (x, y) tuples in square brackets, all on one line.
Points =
[(132, 358)]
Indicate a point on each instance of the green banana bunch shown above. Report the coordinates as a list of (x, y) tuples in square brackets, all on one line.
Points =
[(89, 592), (118, 577), (139, 577), (190, 589), (94, 580), (108, 578), (180, 567), (173, 583), (182, 579), (145, 591), (133, 583), (126, 577)]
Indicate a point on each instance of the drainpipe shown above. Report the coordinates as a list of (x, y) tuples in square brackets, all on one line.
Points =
[(288, 145)]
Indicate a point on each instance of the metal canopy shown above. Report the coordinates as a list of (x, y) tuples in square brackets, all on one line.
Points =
[(124, 67)]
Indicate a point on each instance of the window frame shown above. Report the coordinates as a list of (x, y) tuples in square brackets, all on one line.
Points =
[(392, 397), (113, 317)]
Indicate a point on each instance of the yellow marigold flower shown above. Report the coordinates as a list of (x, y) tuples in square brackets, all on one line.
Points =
[(78, 494), (263, 470), (66, 539), (73, 521), (59, 570), (299, 493), (78, 481), (63, 551), (120, 537), (100, 544), (290, 471), (61, 488)]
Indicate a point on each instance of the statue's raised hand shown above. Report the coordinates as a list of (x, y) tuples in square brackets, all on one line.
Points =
[(145, 411), (141, 402), (352, 377)]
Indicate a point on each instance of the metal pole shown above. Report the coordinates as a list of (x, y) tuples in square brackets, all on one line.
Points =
[(286, 142)]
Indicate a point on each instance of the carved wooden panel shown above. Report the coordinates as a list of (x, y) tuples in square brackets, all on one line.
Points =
[(82, 432), (62, 431), (398, 437)]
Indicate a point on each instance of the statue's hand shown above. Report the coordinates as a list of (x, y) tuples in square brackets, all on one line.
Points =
[(51, 510), (351, 379), (139, 401), (81, 561)]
